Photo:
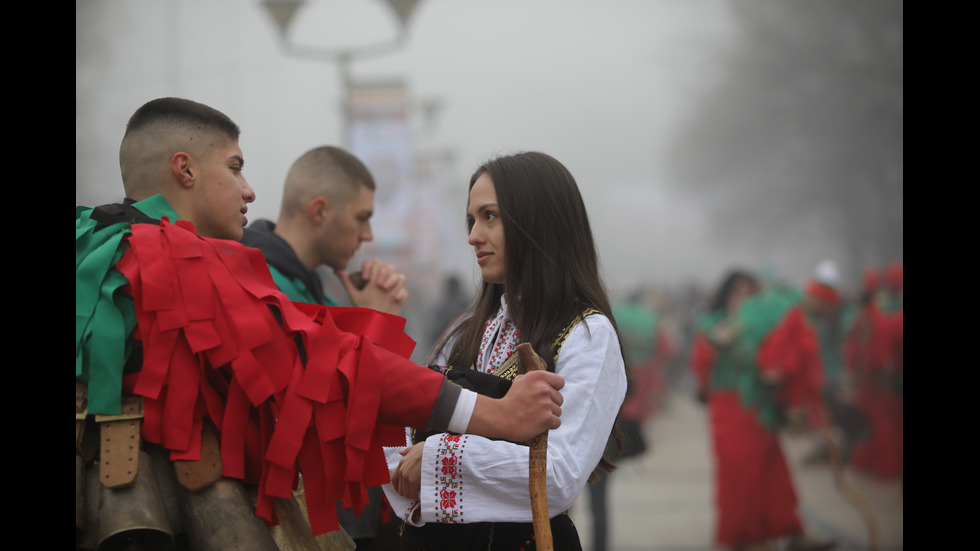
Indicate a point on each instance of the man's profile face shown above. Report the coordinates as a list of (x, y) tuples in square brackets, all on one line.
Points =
[(345, 228), (222, 194)]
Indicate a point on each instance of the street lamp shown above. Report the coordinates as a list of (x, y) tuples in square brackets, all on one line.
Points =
[(283, 12)]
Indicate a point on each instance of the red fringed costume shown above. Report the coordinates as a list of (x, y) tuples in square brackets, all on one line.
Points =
[(220, 346)]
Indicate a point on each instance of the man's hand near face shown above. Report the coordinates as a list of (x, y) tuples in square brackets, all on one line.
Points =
[(384, 287)]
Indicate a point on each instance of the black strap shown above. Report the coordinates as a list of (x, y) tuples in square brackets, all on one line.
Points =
[(118, 213)]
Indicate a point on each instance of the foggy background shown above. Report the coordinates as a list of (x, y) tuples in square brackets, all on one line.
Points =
[(704, 134)]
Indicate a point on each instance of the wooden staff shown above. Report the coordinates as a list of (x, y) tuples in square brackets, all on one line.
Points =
[(852, 496), (538, 455)]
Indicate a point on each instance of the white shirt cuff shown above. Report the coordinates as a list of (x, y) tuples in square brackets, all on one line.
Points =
[(463, 412)]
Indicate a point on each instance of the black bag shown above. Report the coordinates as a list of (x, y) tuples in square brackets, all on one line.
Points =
[(634, 443)]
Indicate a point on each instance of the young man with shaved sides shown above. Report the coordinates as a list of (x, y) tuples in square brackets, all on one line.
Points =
[(325, 216), (326, 211)]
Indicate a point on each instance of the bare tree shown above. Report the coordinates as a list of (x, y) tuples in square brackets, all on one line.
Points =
[(803, 139)]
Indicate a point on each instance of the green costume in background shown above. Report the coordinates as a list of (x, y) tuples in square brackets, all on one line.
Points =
[(735, 367)]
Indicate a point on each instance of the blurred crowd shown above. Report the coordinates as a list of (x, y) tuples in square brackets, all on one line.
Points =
[(767, 357)]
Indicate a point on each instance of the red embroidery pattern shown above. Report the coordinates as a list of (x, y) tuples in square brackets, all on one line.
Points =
[(449, 480), (505, 346), (488, 332), (503, 334)]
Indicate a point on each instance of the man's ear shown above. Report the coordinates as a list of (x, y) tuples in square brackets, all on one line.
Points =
[(181, 165), (319, 209)]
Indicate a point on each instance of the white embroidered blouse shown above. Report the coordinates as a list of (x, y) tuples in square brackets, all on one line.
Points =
[(468, 478)]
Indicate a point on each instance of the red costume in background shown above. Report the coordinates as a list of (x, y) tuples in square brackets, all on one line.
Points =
[(791, 354), (754, 491), (754, 495), (874, 356)]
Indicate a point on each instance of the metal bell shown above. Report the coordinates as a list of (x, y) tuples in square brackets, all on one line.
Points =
[(134, 516), (222, 516)]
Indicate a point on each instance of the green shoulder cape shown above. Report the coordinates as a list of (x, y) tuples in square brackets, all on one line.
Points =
[(100, 355)]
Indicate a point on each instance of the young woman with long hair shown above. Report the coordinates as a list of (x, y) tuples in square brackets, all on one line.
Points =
[(530, 232)]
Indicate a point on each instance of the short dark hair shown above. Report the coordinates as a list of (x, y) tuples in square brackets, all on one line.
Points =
[(346, 162), (326, 171), (181, 111)]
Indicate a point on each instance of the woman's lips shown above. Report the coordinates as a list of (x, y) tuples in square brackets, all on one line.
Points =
[(483, 258)]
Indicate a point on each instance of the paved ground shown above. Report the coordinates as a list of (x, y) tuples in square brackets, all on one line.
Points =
[(662, 501)]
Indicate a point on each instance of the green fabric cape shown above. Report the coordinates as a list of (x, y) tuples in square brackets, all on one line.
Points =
[(100, 355)]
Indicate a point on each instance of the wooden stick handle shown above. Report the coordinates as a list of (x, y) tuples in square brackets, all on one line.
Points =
[(358, 280), (854, 498), (538, 456)]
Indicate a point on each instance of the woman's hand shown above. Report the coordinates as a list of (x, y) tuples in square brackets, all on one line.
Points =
[(407, 477)]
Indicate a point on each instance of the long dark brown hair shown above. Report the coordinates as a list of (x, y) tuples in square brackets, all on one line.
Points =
[(552, 271)]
